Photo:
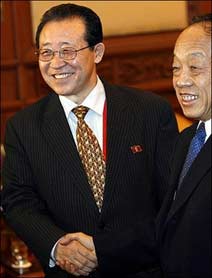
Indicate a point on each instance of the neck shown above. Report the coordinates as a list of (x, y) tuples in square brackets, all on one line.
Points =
[(81, 95)]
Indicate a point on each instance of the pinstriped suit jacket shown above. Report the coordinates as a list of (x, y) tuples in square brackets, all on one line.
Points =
[(46, 193)]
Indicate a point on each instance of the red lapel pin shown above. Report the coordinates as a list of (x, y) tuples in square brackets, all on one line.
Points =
[(136, 148)]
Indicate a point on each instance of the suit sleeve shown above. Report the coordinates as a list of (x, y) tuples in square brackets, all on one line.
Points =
[(23, 208)]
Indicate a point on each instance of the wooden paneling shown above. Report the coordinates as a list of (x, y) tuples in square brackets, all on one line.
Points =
[(7, 26), (16, 40), (9, 82)]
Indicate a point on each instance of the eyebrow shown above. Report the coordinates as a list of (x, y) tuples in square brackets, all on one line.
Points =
[(48, 43), (195, 54)]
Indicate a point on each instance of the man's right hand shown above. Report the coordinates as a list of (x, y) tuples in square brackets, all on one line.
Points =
[(75, 258)]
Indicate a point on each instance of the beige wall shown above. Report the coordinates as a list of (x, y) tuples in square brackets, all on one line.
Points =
[(126, 17)]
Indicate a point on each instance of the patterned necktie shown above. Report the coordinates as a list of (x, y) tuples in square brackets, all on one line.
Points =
[(91, 155), (195, 146)]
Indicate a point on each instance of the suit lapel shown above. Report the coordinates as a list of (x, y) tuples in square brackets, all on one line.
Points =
[(198, 169), (57, 133), (179, 158), (177, 163), (118, 122)]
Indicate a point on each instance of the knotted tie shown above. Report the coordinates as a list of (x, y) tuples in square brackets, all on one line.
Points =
[(91, 155), (195, 146)]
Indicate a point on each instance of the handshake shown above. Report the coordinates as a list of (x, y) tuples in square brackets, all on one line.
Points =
[(75, 253)]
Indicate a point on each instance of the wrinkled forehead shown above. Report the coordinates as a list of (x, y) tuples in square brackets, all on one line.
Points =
[(192, 40)]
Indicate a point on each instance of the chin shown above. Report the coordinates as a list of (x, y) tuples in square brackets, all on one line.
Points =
[(189, 114), (60, 91)]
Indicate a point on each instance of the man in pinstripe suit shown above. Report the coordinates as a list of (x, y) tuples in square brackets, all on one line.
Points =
[(46, 192)]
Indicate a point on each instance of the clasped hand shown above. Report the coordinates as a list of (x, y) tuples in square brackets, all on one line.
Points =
[(75, 253)]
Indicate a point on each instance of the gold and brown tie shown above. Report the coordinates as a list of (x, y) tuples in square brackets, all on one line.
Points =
[(91, 155)]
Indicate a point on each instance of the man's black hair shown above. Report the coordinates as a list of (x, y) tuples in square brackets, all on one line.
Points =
[(205, 20), (93, 34)]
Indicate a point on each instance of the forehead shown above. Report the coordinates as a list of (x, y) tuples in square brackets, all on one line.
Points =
[(193, 42), (70, 28)]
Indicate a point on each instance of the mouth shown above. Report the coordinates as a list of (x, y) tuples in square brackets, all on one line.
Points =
[(188, 98), (62, 75)]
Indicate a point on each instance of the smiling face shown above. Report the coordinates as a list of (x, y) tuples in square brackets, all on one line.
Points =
[(71, 78), (192, 72)]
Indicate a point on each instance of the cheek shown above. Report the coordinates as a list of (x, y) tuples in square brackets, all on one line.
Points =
[(174, 83), (208, 94), (43, 70), (204, 85), (208, 86)]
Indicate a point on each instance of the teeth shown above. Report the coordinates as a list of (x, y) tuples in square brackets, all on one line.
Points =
[(188, 97), (62, 75)]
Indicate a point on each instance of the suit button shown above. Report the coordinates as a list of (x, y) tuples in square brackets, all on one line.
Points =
[(101, 225)]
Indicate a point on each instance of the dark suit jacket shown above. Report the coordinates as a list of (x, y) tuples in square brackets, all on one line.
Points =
[(184, 226), (46, 193)]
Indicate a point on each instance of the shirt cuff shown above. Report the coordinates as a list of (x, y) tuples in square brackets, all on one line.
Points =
[(52, 260)]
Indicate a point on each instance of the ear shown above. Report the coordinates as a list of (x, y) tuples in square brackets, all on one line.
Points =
[(99, 50)]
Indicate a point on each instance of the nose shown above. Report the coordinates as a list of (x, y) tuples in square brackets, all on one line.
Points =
[(183, 79), (56, 61)]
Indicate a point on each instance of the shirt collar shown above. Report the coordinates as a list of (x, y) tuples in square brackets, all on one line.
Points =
[(207, 127), (94, 101)]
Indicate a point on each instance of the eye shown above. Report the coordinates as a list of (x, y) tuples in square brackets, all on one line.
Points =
[(194, 68), (67, 51), (45, 52), (175, 68)]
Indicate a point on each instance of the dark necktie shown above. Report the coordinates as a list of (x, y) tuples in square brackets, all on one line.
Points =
[(194, 148), (91, 155)]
